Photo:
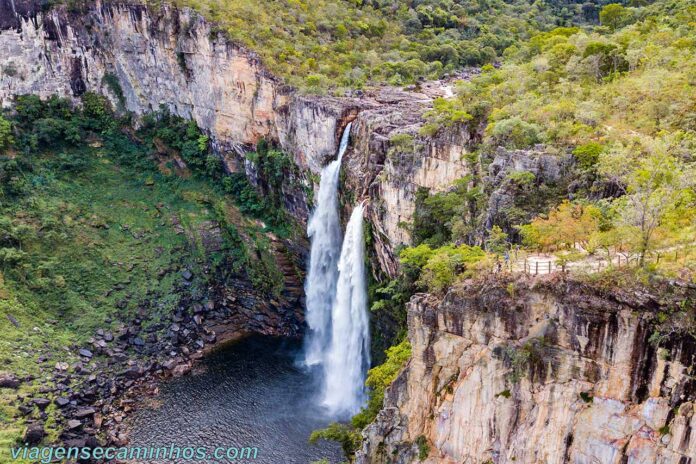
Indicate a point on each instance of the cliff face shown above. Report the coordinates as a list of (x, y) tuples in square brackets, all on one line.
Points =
[(390, 175), (545, 372), (175, 58), (171, 58)]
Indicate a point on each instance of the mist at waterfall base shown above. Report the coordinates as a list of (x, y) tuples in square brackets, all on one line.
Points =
[(250, 394), (337, 342)]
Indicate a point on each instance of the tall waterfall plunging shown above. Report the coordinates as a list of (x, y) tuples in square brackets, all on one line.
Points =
[(338, 338), (324, 230), (348, 355)]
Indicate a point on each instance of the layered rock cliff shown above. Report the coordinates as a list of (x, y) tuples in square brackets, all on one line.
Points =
[(143, 58), (547, 371)]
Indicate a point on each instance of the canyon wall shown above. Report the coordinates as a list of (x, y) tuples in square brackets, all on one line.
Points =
[(546, 371), (173, 57)]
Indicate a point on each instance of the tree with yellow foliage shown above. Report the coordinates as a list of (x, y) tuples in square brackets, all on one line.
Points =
[(567, 226)]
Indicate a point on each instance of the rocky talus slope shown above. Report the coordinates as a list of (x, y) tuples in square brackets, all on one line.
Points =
[(545, 371)]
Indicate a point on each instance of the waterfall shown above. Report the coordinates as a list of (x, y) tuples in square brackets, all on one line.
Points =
[(338, 338), (347, 357), (324, 231)]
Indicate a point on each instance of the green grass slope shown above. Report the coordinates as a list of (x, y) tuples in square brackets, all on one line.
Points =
[(97, 223)]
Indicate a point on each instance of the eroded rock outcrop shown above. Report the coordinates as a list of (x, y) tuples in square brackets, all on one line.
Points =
[(391, 174), (547, 372)]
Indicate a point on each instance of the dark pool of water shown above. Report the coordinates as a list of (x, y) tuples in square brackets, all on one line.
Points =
[(250, 394)]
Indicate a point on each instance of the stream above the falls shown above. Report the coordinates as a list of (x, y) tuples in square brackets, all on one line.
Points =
[(251, 394)]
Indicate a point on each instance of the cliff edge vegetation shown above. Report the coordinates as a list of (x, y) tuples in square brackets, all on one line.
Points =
[(336, 45)]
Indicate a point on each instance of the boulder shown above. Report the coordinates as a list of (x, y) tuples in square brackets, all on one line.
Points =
[(133, 373), (41, 403), (8, 380), (181, 370), (74, 424), (84, 412), (62, 401), (34, 434), (12, 320), (62, 366)]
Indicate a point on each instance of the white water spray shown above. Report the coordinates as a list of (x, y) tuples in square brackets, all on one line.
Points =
[(348, 354), (324, 230), (338, 337)]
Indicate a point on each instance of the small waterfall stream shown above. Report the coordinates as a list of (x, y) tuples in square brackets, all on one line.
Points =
[(338, 338)]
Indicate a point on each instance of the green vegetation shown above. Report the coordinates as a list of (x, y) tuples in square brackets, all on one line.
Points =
[(378, 379), (423, 447), (112, 82), (277, 171), (6, 138), (348, 437), (504, 394), (620, 100), (567, 226), (97, 222), (522, 360), (333, 44), (443, 217), (439, 268)]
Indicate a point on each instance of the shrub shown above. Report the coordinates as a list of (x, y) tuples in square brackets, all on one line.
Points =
[(345, 435), (6, 138), (403, 143), (516, 133), (423, 447), (112, 82), (587, 155), (446, 264), (379, 378)]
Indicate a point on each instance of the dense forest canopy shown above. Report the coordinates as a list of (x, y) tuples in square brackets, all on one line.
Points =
[(323, 44)]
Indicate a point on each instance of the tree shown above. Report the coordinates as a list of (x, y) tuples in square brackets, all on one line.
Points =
[(497, 241), (614, 15), (653, 191), (5, 133), (566, 226)]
